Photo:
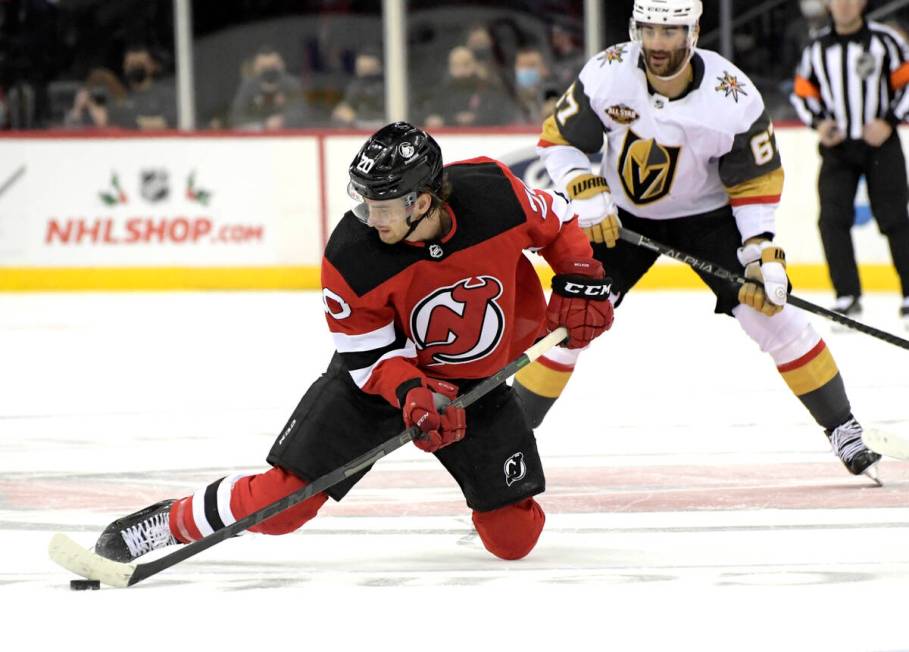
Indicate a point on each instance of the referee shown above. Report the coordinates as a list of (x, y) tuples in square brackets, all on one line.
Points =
[(851, 86)]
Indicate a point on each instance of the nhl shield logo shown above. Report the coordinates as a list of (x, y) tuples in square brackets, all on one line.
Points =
[(865, 65), (515, 469), (153, 184)]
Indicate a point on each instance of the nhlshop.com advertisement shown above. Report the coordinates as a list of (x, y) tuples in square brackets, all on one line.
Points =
[(159, 202)]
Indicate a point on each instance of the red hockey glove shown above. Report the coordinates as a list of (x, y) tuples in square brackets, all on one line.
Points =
[(421, 407), (580, 301)]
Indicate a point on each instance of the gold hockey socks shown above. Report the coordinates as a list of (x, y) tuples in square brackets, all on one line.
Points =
[(538, 385), (815, 379)]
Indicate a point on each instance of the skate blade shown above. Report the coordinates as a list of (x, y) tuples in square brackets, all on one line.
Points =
[(70, 555), (886, 443), (872, 473)]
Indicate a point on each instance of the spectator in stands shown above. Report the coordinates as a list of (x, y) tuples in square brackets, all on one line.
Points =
[(480, 42), (464, 99), (535, 90), (364, 98), (568, 57), (269, 98), (149, 103), (93, 102)]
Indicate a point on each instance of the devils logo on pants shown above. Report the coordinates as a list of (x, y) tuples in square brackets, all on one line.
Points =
[(515, 469), (459, 323)]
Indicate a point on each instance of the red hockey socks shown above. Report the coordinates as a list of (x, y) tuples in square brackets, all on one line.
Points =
[(226, 500)]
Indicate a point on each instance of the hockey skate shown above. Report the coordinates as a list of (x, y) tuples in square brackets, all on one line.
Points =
[(134, 535), (847, 443), (848, 307)]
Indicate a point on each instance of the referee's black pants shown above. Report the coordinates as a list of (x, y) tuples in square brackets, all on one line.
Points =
[(884, 169)]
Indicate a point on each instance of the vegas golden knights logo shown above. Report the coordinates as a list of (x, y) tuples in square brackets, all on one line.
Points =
[(647, 168)]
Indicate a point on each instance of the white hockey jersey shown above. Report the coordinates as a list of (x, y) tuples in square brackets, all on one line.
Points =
[(665, 158)]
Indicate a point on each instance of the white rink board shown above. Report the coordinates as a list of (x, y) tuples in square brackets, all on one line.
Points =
[(264, 197), (255, 201)]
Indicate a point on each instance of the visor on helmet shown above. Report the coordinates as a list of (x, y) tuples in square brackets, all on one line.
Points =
[(381, 209)]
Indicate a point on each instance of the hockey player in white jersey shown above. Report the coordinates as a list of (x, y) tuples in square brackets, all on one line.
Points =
[(691, 161)]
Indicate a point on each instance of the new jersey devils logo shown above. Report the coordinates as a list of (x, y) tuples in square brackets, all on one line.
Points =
[(515, 469), (459, 323)]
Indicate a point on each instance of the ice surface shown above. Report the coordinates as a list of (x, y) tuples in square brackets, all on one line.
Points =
[(692, 504)]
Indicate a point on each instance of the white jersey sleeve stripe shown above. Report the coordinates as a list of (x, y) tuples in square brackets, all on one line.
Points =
[(560, 206), (380, 337), (361, 376)]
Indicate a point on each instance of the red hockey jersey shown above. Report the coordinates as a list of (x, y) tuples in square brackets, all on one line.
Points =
[(461, 307)]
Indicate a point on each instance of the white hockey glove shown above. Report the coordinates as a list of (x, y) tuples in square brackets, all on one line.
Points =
[(765, 268), (597, 214)]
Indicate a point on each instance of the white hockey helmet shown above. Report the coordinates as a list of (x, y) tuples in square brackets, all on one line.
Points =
[(667, 12)]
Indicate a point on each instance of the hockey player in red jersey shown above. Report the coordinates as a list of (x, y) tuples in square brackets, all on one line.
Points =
[(426, 291), (690, 161)]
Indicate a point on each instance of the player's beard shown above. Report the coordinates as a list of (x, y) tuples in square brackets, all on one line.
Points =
[(667, 62)]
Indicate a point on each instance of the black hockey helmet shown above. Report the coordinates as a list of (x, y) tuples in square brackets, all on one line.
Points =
[(397, 160)]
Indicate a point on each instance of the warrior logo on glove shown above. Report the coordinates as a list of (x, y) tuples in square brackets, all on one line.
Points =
[(459, 323)]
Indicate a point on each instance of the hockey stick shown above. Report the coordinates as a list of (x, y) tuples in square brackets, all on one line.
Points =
[(73, 557), (715, 270)]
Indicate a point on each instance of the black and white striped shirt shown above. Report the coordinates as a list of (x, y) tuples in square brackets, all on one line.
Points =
[(853, 79)]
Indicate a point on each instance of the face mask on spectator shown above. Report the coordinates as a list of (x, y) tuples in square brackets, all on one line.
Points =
[(136, 75), (270, 75), (527, 77), (468, 83), (482, 53), (98, 95)]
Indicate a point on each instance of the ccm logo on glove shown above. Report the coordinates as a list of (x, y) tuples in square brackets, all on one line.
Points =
[(586, 289), (580, 301)]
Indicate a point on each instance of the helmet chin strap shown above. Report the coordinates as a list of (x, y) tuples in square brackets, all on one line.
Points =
[(415, 223)]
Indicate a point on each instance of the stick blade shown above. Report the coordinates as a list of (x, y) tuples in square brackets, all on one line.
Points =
[(886, 443), (70, 555)]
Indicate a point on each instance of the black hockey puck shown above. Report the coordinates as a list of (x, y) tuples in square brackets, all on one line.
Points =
[(84, 585)]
